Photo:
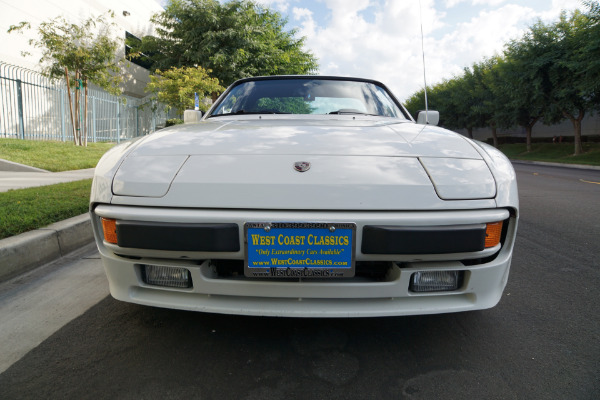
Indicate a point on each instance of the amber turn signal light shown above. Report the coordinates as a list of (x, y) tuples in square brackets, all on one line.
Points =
[(493, 232), (109, 226)]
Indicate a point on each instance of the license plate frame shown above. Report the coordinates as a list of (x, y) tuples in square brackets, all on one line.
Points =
[(299, 249)]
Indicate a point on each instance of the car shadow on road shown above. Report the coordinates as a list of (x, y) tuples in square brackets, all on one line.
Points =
[(121, 350)]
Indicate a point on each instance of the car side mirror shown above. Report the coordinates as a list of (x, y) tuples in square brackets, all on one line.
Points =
[(191, 116), (428, 117)]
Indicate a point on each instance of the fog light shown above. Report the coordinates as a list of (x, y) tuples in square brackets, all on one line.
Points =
[(435, 281), (166, 276)]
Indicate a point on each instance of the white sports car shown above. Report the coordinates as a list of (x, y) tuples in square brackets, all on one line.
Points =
[(306, 196)]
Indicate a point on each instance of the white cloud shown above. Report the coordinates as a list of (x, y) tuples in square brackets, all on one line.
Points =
[(308, 25), (485, 34), (387, 49), (557, 6), (452, 3), (278, 5), (381, 39), (492, 3)]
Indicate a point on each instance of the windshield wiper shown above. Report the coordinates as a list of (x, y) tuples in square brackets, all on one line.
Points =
[(244, 112), (350, 111)]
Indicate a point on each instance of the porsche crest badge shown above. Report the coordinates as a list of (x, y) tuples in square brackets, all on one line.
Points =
[(301, 166)]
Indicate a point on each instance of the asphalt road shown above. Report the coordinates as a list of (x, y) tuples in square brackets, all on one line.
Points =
[(541, 342)]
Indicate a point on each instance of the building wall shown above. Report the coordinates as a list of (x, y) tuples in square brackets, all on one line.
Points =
[(590, 126), (130, 15)]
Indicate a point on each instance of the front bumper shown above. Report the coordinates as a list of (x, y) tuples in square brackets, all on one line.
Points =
[(485, 273)]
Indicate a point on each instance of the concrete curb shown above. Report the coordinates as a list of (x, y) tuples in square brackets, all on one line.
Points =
[(6, 165), (29, 250), (549, 164)]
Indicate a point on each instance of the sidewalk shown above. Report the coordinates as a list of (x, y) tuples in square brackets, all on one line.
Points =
[(27, 251), (18, 176), (561, 165)]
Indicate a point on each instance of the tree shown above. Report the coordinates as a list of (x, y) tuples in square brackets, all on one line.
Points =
[(459, 103), (587, 52), (416, 103), (439, 97), (235, 39), (486, 105), (176, 87), (80, 53), (520, 102), (477, 113), (574, 92), (550, 57)]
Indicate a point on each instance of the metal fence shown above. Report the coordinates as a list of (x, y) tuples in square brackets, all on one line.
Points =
[(35, 108)]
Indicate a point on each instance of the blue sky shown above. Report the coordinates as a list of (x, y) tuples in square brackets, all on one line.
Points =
[(380, 39)]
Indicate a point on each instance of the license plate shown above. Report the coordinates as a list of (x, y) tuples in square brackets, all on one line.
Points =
[(299, 250)]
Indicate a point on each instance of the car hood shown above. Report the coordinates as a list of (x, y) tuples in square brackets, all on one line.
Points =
[(367, 137), (354, 164)]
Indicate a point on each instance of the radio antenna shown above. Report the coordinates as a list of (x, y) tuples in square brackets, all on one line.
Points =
[(424, 75)]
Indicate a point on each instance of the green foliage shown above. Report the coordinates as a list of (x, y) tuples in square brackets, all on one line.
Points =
[(80, 53), (87, 48), (416, 103), (234, 39), (519, 103), (486, 78), (174, 121), (557, 69), (460, 92), (437, 99), (292, 105), (176, 87), (453, 100), (52, 156), (28, 209), (587, 52)]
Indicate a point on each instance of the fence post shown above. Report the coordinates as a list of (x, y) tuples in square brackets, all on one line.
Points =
[(20, 105), (62, 116), (94, 118), (118, 122), (153, 117), (29, 102)]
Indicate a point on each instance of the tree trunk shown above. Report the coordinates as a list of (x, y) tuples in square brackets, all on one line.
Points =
[(77, 111), (470, 132), (70, 105), (495, 136), (576, 121), (528, 130), (85, 115)]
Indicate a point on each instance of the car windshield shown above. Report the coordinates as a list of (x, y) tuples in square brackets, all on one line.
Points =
[(308, 96)]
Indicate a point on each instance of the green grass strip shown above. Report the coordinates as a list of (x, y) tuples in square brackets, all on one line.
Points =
[(553, 152), (28, 209), (52, 156)]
